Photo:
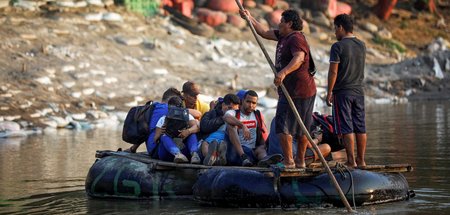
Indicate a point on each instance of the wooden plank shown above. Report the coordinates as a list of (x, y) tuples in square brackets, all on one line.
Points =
[(313, 169)]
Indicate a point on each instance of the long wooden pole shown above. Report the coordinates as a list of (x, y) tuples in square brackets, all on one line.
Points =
[(297, 115)]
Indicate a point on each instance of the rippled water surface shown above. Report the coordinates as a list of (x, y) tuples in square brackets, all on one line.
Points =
[(46, 173)]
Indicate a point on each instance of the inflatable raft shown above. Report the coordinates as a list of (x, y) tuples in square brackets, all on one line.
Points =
[(137, 176)]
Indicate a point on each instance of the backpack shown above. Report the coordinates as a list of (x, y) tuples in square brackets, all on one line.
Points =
[(136, 125), (326, 123), (177, 119)]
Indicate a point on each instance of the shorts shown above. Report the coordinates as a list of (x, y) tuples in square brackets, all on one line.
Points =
[(285, 120), (349, 114)]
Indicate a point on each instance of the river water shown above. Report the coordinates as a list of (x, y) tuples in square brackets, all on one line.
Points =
[(45, 173)]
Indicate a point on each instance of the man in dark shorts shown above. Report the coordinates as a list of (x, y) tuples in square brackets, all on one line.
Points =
[(345, 89), (292, 63)]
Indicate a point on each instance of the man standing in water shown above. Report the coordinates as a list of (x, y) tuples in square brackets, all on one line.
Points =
[(292, 63), (345, 89)]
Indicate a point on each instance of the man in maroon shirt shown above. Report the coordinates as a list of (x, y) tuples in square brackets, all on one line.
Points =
[(291, 62)]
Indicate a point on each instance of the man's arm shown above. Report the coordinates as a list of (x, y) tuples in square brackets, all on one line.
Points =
[(231, 120), (294, 64), (210, 122), (332, 75), (260, 29)]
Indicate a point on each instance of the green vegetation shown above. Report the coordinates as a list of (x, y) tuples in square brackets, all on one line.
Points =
[(390, 43), (144, 7)]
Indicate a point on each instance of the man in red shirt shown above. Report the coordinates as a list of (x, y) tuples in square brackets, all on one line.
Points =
[(291, 62)]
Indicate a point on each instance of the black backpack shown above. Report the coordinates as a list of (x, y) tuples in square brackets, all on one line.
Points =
[(177, 119), (136, 126)]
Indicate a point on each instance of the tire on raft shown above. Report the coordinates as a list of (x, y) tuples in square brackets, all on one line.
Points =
[(121, 177), (248, 188)]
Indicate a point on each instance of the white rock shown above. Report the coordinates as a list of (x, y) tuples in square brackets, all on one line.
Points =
[(112, 17), (26, 4), (25, 105), (97, 72), (131, 41), (160, 71), (437, 69), (6, 95), (138, 99), (35, 115), (97, 83), (131, 104), (370, 27), (111, 95), (65, 3), (76, 94), (49, 123), (84, 65), (45, 111), (3, 108), (111, 80), (95, 2), (60, 122), (93, 16), (11, 118), (78, 116), (88, 91), (44, 80), (68, 84), (9, 126), (82, 75), (385, 34), (96, 114), (80, 4), (68, 68), (108, 107)]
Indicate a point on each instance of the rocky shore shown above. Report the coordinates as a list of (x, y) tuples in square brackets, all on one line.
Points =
[(85, 68)]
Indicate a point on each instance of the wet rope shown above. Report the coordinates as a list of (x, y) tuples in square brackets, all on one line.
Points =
[(276, 187), (340, 168)]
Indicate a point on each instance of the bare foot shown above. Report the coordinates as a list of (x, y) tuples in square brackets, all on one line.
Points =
[(352, 165), (289, 165), (300, 164), (361, 164)]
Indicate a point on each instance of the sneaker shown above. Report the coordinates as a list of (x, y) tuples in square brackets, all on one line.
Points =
[(195, 159), (180, 158), (270, 160), (211, 157), (246, 161), (222, 159)]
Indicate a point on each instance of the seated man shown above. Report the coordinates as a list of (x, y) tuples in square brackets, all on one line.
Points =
[(177, 136), (244, 131), (212, 126), (159, 110), (190, 94), (322, 133)]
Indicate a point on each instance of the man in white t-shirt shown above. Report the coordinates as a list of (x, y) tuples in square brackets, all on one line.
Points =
[(244, 132)]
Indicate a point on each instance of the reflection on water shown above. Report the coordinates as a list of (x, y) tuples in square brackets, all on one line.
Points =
[(46, 173)]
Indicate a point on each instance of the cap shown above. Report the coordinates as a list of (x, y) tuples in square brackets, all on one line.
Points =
[(241, 94), (191, 88)]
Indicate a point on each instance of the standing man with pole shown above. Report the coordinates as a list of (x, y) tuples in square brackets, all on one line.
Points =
[(291, 63), (345, 89), (296, 114)]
